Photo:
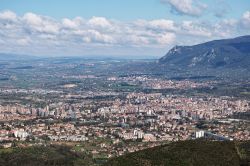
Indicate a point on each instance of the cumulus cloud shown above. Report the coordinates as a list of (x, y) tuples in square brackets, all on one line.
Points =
[(195, 29), (245, 20), (72, 24), (161, 24), (40, 24), (96, 36), (24, 41), (186, 7), (33, 19), (226, 28), (37, 34), (166, 38), (99, 22), (8, 15)]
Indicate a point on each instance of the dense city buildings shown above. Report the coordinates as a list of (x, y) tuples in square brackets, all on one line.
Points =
[(125, 122)]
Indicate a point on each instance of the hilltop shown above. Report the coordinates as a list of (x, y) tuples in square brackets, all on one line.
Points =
[(226, 53)]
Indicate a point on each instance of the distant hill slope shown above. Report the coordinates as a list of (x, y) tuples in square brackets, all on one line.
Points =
[(43, 156), (185, 153), (230, 53), (189, 153)]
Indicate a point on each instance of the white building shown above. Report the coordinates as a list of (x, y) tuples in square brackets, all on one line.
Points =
[(199, 134)]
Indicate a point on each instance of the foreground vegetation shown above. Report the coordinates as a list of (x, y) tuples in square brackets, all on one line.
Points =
[(189, 153), (43, 156), (184, 153)]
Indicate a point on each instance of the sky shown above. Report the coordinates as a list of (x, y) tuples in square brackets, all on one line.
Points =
[(144, 28)]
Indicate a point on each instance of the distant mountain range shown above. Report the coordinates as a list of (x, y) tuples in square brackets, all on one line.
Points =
[(227, 53), (7, 57)]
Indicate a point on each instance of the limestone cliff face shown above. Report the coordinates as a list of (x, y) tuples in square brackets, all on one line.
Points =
[(229, 53)]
